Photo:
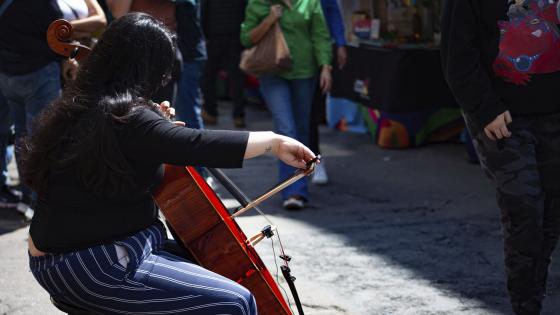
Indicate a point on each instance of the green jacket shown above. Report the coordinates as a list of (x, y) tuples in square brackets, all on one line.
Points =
[(305, 31)]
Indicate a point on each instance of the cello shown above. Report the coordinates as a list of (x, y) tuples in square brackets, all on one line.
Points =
[(202, 224)]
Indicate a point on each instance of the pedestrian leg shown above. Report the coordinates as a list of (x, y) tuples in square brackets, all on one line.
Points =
[(548, 157), (512, 164), (277, 94), (189, 96), (208, 83), (237, 82)]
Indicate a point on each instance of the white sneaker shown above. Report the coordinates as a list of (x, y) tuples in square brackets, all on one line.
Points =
[(211, 182), (319, 176), (293, 203), (25, 210)]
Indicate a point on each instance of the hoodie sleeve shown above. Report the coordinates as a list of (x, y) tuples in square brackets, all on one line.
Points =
[(334, 21), (462, 65)]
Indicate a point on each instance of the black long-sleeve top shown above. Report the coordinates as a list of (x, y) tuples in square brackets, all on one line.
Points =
[(69, 217), (486, 59)]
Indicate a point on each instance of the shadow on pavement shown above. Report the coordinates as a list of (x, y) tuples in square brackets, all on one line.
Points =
[(11, 220), (425, 210)]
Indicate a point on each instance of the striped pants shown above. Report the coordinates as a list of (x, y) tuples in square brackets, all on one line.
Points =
[(135, 276)]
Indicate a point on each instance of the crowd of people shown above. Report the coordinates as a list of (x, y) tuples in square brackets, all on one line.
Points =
[(211, 35)]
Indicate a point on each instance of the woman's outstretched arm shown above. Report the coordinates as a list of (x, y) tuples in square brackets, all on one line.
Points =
[(286, 149), (154, 139)]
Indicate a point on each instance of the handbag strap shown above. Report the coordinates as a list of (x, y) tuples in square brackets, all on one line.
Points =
[(5, 6)]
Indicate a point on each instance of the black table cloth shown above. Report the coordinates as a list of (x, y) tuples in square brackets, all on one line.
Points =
[(393, 80)]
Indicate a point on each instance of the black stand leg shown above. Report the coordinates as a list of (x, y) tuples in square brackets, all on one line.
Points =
[(287, 275)]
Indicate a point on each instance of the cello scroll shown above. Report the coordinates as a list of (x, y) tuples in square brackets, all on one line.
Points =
[(59, 38)]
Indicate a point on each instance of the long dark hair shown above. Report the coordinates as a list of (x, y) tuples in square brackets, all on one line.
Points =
[(131, 61)]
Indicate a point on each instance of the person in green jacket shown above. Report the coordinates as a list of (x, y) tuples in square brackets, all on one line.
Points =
[(289, 95)]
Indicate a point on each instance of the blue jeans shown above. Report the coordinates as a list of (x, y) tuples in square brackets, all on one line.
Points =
[(4, 136), (289, 102), (26, 95), (189, 97)]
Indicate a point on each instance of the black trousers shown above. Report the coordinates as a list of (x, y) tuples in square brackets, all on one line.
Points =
[(526, 171), (318, 113), (224, 53)]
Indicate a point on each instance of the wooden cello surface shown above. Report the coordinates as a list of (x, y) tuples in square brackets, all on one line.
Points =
[(59, 39), (204, 226)]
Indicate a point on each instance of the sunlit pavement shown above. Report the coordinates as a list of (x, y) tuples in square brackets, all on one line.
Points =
[(396, 232)]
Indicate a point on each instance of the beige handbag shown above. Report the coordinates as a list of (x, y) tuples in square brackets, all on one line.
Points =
[(270, 55)]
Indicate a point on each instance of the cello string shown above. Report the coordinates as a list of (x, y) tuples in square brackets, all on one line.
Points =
[(277, 234), (286, 295), (264, 215), (282, 248), (278, 277)]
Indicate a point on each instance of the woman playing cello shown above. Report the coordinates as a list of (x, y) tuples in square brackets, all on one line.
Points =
[(94, 159)]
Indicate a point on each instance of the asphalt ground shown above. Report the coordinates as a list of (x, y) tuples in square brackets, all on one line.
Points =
[(395, 232)]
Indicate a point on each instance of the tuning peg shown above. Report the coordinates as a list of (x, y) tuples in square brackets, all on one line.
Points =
[(268, 231), (286, 258)]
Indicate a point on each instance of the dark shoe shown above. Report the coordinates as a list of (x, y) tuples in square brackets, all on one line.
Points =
[(8, 199), (294, 203), (208, 118), (530, 307), (239, 122)]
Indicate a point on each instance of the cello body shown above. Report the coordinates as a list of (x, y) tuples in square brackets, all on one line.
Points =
[(205, 228)]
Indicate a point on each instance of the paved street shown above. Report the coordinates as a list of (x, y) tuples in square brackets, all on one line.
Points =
[(396, 232)]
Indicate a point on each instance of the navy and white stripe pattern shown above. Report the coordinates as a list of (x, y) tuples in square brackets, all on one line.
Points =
[(153, 281)]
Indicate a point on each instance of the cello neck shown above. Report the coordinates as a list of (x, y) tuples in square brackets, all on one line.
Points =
[(230, 186)]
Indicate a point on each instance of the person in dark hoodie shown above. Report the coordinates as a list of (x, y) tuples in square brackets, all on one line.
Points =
[(502, 62)]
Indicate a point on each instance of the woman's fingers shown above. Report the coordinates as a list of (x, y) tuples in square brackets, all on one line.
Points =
[(164, 106), (505, 132), (498, 129), (325, 83), (298, 164), (508, 118), (296, 154), (304, 155), (489, 134), (498, 134), (277, 10), (308, 155), (501, 132), (328, 85), (166, 109)]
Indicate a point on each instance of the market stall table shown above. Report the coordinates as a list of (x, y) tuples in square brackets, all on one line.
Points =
[(407, 100)]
